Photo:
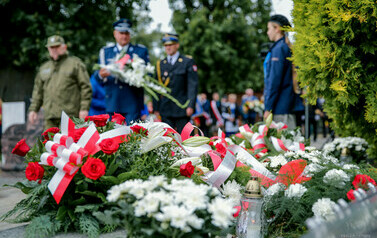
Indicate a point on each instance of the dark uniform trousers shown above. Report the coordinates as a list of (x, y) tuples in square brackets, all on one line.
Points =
[(182, 79)]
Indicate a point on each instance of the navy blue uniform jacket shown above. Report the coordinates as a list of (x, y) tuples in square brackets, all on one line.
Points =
[(120, 97), (183, 82), (278, 85)]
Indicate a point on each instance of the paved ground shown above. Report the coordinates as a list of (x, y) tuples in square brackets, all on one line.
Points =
[(10, 196)]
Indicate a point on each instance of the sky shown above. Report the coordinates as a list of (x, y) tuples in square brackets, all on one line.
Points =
[(161, 13)]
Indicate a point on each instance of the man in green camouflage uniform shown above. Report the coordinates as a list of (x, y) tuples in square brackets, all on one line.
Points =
[(62, 84)]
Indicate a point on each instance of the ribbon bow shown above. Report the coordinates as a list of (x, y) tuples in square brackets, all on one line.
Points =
[(66, 155)]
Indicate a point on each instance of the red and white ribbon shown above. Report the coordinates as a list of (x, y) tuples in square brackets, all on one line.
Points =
[(257, 142), (280, 146), (222, 172), (67, 156), (257, 169)]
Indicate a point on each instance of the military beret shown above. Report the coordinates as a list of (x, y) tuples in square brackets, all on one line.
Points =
[(169, 39), (55, 40), (123, 25), (280, 20)]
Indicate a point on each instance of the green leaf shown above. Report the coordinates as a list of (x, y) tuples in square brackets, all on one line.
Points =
[(127, 175), (110, 179), (42, 226), (89, 226), (62, 211)]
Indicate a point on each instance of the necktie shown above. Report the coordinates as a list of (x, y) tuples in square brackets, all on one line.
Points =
[(169, 60)]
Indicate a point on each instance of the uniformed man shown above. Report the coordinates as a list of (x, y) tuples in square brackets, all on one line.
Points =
[(121, 97), (179, 73), (62, 84)]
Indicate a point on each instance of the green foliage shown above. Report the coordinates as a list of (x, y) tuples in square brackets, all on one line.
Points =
[(85, 25), (42, 226), (89, 225), (335, 51), (224, 38)]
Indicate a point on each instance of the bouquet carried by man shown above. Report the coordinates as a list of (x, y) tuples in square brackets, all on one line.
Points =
[(135, 72)]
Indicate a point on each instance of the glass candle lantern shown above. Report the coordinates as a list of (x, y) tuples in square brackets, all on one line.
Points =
[(250, 218)]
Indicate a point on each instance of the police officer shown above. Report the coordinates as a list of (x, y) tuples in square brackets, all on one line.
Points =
[(121, 97), (278, 82), (62, 84), (179, 73)]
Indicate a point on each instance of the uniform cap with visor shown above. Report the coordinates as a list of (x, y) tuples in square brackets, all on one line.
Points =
[(123, 25), (170, 39), (280, 20), (55, 40)]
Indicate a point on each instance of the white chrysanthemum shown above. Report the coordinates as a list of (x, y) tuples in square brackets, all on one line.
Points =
[(177, 215), (295, 190), (273, 189), (277, 161), (336, 177), (231, 190), (114, 194), (350, 166), (222, 212), (322, 208), (311, 169)]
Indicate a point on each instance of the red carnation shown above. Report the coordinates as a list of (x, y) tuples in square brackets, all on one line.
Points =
[(21, 148), (93, 168), (362, 180), (109, 146), (34, 172), (99, 120), (52, 130), (138, 129), (350, 195), (221, 149), (187, 169), (118, 118), (78, 133)]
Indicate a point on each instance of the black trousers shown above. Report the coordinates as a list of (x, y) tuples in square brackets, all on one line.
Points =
[(177, 123)]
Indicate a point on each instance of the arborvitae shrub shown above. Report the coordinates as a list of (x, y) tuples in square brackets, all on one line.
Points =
[(335, 51)]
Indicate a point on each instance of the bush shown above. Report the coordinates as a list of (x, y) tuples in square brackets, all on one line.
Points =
[(335, 48)]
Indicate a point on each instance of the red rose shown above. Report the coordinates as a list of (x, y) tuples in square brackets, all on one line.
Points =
[(21, 148), (99, 120), (187, 169), (34, 172), (139, 129), (52, 130), (109, 146), (350, 195), (118, 118), (78, 133), (93, 168), (221, 149), (362, 180)]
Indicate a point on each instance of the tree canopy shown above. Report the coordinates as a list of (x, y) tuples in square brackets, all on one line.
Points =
[(224, 38), (86, 26)]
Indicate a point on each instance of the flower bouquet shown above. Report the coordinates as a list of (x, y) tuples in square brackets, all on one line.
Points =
[(137, 73), (353, 147), (158, 207), (254, 105), (70, 173), (314, 183)]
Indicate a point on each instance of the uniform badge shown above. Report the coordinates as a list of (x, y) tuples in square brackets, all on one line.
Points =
[(164, 61), (180, 60), (195, 68), (166, 73)]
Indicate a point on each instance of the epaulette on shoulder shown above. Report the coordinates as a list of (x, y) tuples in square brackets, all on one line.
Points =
[(141, 46), (109, 45), (188, 56)]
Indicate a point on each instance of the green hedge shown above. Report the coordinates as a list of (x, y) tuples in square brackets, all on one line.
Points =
[(335, 50)]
